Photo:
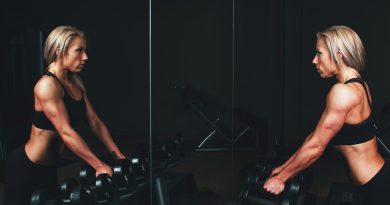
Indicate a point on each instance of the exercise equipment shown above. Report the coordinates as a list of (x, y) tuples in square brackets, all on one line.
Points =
[(101, 187), (168, 151), (253, 192), (246, 124), (69, 193), (255, 173), (124, 180), (140, 165), (253, 177)]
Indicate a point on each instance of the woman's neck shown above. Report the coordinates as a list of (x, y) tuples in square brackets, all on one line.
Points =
[(59, 71), (346, 73)]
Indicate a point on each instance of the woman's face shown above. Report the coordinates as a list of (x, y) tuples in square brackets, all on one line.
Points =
[(325, 66), (76, 57)]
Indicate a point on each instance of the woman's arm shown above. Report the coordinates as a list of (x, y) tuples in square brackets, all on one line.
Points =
[(101, 131), (339, 101), (97, 126), (49, 96)]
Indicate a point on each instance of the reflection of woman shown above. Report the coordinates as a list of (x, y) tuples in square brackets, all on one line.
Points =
[(61, 105), (346, 121)]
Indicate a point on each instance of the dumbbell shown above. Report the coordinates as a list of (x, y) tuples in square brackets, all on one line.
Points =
[(124, 179), (100, 187), (163, 150), (255, 173), (255, 194), (177, 145), (69, 193), (140, 165)]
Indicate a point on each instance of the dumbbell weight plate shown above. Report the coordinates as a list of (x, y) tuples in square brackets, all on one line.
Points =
[(255, 173), (81, 196), (66, 187), (140, 166), (123, 176), (87, 175), (294, 189), (40, 197), (104, 187)]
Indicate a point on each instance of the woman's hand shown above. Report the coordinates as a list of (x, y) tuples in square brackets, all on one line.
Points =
[(274, 185), (104, 169), (118, 155)]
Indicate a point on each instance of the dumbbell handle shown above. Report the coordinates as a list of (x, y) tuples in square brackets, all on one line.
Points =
[(261, 201)]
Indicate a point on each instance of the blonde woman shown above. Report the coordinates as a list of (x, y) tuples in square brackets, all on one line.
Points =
[(346, 122), (61, 105)]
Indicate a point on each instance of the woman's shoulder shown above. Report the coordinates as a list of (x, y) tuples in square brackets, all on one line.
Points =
[(47, 86), (342, 95)]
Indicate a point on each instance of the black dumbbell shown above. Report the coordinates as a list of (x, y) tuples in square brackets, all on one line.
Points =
[(124, 179), (163, 150), (255, 194), (255, 173), (178, 146), (101, 186), (140, 165), (44, 197), (78, 196), (66, 187)]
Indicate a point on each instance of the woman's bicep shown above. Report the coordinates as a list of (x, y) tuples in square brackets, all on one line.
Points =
[(333, 118), (54, 108)]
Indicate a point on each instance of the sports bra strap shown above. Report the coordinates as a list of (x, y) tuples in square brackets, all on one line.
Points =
[(361, 81), (48, 73)]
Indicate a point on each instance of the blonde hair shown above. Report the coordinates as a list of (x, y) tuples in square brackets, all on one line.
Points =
[(346, 41), (59, 38)]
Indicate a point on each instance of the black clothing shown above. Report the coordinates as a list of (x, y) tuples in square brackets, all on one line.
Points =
[(358, 133), (76, 111), (376, 191), (23, 177)]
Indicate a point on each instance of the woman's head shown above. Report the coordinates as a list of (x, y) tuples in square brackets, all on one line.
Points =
[(343, 41), (58, 42)]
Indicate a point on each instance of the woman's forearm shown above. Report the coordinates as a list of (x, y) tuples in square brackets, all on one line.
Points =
[(102, 132), (78, 146), (306, 155)]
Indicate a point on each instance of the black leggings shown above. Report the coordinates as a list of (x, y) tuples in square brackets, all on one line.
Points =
[(23, 177), (376, 191)]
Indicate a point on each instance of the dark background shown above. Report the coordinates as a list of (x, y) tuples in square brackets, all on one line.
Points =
[(249, 54)]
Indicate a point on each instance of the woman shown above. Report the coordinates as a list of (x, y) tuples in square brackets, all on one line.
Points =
[(61, 105), (346, 122)]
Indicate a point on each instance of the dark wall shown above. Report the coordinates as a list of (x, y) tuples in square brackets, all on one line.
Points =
[(231, 53), (191, 45), (258, 80), (305, 91), (118, 68), (266, 70)]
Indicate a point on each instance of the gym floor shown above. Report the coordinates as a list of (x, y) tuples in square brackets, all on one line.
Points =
[(217, 173)]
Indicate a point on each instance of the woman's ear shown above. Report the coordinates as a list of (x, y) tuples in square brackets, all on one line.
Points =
[(339, 56), (58, 52)]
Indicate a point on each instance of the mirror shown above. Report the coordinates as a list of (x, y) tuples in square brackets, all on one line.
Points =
[(192, 100)]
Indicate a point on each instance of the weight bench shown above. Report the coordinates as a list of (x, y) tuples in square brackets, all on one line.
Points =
[(246, 127)]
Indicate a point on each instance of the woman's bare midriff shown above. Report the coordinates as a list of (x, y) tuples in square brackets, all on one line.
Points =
[(364, 160), (44, 146)]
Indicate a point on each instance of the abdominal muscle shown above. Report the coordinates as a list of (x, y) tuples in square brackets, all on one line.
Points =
[(364, 160), (44, 146)]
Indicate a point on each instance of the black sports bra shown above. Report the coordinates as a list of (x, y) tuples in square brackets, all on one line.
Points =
[(356, 133), (76, 111)]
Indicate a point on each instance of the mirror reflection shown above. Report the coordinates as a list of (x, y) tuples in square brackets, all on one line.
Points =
[(74, 121), (192, 100)]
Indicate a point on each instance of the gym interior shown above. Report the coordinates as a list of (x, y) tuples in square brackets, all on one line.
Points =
[(197, 93)]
